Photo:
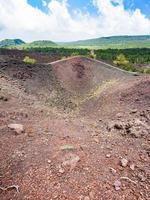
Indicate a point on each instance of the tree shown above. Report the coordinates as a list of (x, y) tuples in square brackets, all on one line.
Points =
[(121, 60)]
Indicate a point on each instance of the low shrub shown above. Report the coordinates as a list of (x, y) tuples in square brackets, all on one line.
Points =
[(147, 70), (93, 56), (129, 68), (75, 54), (121, 60), (29, 60)]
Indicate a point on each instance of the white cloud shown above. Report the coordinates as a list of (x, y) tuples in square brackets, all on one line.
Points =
[(44, 3), (18, 19)]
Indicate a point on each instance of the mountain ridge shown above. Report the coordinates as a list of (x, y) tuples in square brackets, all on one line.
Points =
[(11, 42), (118, 42), (113, 40)]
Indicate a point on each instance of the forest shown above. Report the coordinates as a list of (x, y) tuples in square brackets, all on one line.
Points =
[(136, 59)]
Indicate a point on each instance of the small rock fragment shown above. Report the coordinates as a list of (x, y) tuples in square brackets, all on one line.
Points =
[(71, 160), (49, 161), (119, 115), (113, 171), (91, 195), (3, 98), (132, 167), (18, 128), (124, 162), (67, 147), (61, 170), (133, 111), (108, 155), (86, 198), (118, 126), (142, 177), (96, 140), (117, 185)]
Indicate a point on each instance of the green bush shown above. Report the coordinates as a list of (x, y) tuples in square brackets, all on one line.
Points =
[(63, 57), (129, 67), (93, 56), (147, 70), (121, 60), (75, 54), (29, 60)]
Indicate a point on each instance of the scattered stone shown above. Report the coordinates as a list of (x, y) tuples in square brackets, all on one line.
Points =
[(96, 140), (127, 128), (119, 115), (55, 195), (110, 126), (18, 154), (30, 134), (108, 155), (18, 128), (81, 197), (135, 134), (115, 125), (128, 179), (133, 111), (67, 147), (117, 185), (61, 170), (92, 195), (132, 167), (142, 177), (71, 160), (86, 198), (118, 126), (113, 171), (124, 162), (2, 98), (16, 187), (49, 161)]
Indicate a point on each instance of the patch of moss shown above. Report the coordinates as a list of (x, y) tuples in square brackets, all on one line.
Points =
[(95, 92)]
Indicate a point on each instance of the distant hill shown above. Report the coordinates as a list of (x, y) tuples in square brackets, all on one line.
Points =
[(20, 44), (11, 42), (113, 42), (41, 43)]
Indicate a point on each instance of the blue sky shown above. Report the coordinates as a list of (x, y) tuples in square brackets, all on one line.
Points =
[(87, 6), (84, 5), (70, 20)]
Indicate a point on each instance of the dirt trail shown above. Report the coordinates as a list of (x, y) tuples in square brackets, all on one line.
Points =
[(85, 132)]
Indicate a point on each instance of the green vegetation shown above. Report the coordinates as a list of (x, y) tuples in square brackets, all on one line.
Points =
[(114, 42), (121, 60), (134, 56), (39, 44), (29, 60), (127, 59), (135, 59), (19, 44), (60, 52), (92, 54), (147, 70), (11, 42), (75, 54)]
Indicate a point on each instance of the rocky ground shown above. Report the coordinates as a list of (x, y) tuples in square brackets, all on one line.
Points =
[(73, 130)]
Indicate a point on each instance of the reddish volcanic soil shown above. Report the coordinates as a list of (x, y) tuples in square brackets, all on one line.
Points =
[(82, 131)]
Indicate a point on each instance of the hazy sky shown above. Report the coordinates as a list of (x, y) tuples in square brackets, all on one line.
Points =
[(67, 20)]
